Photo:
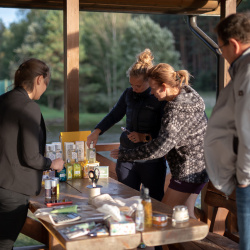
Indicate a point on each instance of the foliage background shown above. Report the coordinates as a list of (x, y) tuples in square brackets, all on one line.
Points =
[(109, 43)]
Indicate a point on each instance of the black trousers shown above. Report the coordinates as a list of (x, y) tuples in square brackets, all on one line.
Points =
[(151, 173), (13, 213)]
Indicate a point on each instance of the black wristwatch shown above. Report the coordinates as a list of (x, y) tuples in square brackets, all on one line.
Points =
[(147, 138)]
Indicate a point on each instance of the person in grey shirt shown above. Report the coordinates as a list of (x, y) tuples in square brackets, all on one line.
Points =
[(227, 141)]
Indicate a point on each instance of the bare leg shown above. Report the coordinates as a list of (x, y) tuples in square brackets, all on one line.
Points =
[(173, 198)]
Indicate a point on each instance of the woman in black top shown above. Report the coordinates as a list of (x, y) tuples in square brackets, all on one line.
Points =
[(22, 146), (143, 115)]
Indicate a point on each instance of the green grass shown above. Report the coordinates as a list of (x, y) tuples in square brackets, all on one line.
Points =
[(24, 240), (85, 119)]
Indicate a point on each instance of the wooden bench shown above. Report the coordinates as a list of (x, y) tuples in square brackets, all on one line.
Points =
[(221, 215)]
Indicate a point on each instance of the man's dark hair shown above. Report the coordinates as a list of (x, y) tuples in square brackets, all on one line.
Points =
[(235, 26)]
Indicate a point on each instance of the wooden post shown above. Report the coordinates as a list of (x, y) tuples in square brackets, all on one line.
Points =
[(71, 65), (227, 7)]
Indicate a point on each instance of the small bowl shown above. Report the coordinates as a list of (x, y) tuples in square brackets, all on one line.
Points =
[(180, 214)]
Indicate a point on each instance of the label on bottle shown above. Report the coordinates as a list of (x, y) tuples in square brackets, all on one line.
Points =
[(69, 172), (139, 221), (91, 154)]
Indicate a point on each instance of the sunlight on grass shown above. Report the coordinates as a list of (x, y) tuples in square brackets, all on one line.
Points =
[(24, 240)]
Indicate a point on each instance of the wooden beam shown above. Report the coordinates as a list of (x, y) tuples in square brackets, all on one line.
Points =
[(227, 7), (71, 65), (187, 7)]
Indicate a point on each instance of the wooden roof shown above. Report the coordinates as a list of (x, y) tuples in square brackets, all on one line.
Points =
[(186, 7)]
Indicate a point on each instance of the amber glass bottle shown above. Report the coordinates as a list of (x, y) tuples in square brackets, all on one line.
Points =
[(147, 204)]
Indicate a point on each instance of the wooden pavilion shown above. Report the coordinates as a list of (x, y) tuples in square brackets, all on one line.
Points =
[(71, 8)]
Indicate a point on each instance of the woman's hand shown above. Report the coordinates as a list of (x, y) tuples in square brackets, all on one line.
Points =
[(57, 164), (93, 137), (114, 153), (138, 137), (134, 137)]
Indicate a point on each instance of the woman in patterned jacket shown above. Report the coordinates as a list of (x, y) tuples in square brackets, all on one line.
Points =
[(181, 137)]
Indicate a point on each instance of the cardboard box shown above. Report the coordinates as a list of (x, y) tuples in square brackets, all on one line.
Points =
[(80, 150), (67, 154), (89, 166), (104, 171), (123, 227)]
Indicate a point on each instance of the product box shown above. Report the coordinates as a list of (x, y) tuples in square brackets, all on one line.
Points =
[(80, 150), (89, 166), (68, 147), (123, 227), (50, 151), (58, 149), (104, 171)]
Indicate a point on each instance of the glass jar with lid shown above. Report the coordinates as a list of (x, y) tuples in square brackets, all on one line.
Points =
[(159, 220)]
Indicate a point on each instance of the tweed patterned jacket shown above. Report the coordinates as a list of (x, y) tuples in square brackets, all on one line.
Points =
[(181, 139)]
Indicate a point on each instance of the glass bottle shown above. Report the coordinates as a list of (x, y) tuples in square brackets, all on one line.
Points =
[(77, 170), (91, 153), (69, 170), (147, 208), (62, 174)]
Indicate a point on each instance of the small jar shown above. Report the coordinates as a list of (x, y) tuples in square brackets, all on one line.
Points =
[(160, 220), (57, 185), (180, 214), (53, 189)]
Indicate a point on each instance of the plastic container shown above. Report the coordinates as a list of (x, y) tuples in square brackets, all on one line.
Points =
[(53, 189), (47, 186), (139, 217)]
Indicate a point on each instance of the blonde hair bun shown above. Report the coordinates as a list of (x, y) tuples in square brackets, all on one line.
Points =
[(145, 58), (144, 61)]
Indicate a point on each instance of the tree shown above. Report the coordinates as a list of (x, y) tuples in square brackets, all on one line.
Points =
[(195, 56), (103, 34), (142, 32), (44, 40), (11, 38), (112, 42)]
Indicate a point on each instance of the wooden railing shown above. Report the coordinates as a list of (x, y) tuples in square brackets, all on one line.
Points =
[(105, 161)]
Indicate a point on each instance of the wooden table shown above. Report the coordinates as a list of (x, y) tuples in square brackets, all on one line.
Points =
[(77, 191)]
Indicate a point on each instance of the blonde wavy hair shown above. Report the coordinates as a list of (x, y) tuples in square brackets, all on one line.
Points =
[(144, 61), (165, 73)]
